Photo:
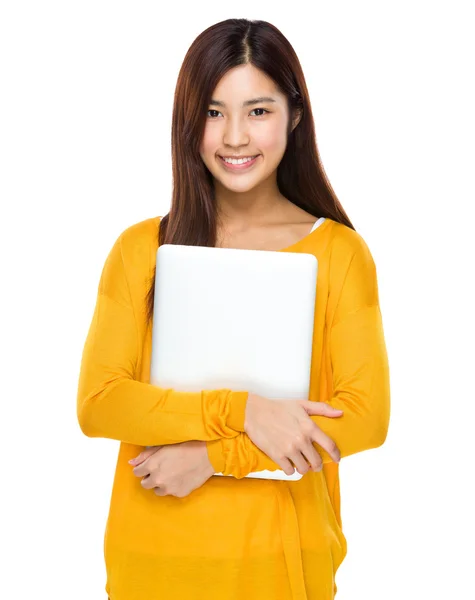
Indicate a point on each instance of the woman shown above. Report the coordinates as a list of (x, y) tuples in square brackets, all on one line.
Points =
[(174, 530)]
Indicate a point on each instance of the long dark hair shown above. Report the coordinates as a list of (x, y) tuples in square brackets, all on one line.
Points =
[(192, 219)]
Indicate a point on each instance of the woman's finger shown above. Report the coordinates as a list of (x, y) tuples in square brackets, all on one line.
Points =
[(326, 443), (141, 470), (321, 408), (285, 464), (299, 461), (147, 483), (313, 457)]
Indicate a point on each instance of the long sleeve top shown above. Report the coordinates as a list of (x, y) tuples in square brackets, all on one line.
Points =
[(234, 537)]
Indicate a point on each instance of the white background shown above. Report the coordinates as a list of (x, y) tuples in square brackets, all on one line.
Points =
[(85, 108)]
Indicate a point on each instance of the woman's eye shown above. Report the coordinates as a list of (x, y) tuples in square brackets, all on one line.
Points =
[(266, 111), (217, 111)]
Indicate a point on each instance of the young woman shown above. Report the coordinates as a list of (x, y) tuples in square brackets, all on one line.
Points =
[(247, 174)]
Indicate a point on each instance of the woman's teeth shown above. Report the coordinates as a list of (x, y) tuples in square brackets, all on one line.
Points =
[(239, 161)]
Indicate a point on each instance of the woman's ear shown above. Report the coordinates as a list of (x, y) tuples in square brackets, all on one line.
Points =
[(297, 115)]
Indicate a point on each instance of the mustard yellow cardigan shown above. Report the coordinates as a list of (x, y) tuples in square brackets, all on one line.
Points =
[(233, 538)]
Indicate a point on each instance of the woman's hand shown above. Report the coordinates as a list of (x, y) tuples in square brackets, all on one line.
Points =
[(174, 469), (283, 430)]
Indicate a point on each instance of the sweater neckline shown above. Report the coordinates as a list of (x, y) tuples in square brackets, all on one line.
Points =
[(317, 227)]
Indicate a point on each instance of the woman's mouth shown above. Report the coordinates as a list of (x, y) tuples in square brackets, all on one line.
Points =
[(241, 166)]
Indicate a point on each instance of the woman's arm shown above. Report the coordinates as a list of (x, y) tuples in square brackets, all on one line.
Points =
[(111, 403), (360, 379)]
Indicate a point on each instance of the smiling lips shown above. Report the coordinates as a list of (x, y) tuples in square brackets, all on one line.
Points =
[(239, 166)]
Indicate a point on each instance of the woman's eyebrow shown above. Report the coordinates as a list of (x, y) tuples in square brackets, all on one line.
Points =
[(246, 103)]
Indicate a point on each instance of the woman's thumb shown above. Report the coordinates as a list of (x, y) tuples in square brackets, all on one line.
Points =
[(149, 450)]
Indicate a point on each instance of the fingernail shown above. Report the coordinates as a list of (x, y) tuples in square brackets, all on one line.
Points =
[(132, 461)]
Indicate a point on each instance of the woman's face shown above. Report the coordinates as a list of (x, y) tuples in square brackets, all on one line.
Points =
[(234, 128)]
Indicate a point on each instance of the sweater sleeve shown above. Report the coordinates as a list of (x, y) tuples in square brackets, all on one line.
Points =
[(360, 378), (112, 403)]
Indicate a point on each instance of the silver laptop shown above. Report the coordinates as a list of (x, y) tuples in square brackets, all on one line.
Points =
[(235, 319)]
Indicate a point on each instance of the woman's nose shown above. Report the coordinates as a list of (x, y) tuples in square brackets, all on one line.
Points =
[(235, 133)]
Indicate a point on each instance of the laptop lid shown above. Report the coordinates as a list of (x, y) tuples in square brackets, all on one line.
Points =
[(234, 318)]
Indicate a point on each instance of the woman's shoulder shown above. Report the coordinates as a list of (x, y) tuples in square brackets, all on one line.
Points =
[(138, 245), (143, 231), (346, 243)]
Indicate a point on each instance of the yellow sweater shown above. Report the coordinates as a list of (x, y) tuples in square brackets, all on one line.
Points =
[(233, 538)]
